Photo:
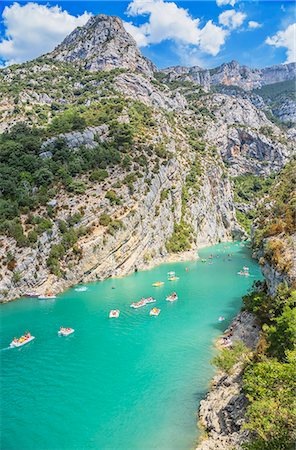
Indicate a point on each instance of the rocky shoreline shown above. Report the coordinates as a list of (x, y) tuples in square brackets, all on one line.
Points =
[(221, 413), (190, 255)]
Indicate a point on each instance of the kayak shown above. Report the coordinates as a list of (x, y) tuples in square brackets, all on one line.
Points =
[(66, 331), (20, 344), (114, 313), (154, 312)]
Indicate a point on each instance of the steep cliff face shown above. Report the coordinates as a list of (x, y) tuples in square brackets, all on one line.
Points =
[(232, 74), (102, 44), (145, 218), (271, 89)]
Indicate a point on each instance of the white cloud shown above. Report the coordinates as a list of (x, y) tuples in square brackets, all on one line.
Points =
[(232, 19), (225, 2), (286, 39), (212, 38), (167, 21), (252, 24), (32, 30)]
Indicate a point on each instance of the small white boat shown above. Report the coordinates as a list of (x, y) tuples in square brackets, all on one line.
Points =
[(19, 342), (154, 312), (81, 289), (171, 274), (172, 297), (114, 313), (65, 331), (46, 297), (221, 319)]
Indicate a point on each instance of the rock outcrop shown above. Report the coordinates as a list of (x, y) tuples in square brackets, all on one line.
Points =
[(221, 413), (102, 44)]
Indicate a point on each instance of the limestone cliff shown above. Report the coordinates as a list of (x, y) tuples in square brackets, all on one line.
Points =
[(102, 44)]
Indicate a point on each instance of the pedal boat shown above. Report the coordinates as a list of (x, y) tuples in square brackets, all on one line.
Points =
[(158, 284), (81, 289), (65, 331), (154, 312), (21, 341), (172, 298), (114, 313)]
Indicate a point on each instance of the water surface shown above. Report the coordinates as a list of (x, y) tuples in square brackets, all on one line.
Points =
[(132, 383)]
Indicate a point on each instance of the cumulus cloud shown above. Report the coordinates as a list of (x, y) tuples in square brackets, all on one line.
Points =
[(167, 21), (32, 30), (226, 2), (286, 39), (253, 25), (232, 19)]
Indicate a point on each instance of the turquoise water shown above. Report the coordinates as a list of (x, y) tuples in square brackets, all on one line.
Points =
[(132, 383)]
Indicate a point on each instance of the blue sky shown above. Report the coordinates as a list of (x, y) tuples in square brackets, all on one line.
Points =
[(205, 33)]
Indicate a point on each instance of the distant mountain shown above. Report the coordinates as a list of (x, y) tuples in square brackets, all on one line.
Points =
[(102, 44), (232, 74)]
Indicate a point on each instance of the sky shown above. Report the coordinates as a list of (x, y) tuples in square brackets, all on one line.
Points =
[(204, 33)]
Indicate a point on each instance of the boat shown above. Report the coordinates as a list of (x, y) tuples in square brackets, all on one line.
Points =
[(158, 284), (31, 294), (221, 319), (243, 273), (65, 331), (246, 269), (138, 304), (81, 289), (154, 312), (149, 300), (172, 298), (114, 313), (173, 278), (46, 296), (171, 274), (25, 339)]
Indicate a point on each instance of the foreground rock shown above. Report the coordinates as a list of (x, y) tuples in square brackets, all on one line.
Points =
[(221, 414)]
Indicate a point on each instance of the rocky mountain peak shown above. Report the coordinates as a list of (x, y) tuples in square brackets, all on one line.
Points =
[(103, 44)]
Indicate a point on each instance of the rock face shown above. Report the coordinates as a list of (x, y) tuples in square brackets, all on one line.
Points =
[(232, 74), (221, 413), (103, 44)]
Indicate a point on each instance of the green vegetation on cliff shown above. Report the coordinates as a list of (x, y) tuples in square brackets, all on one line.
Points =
[(269, 379)]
